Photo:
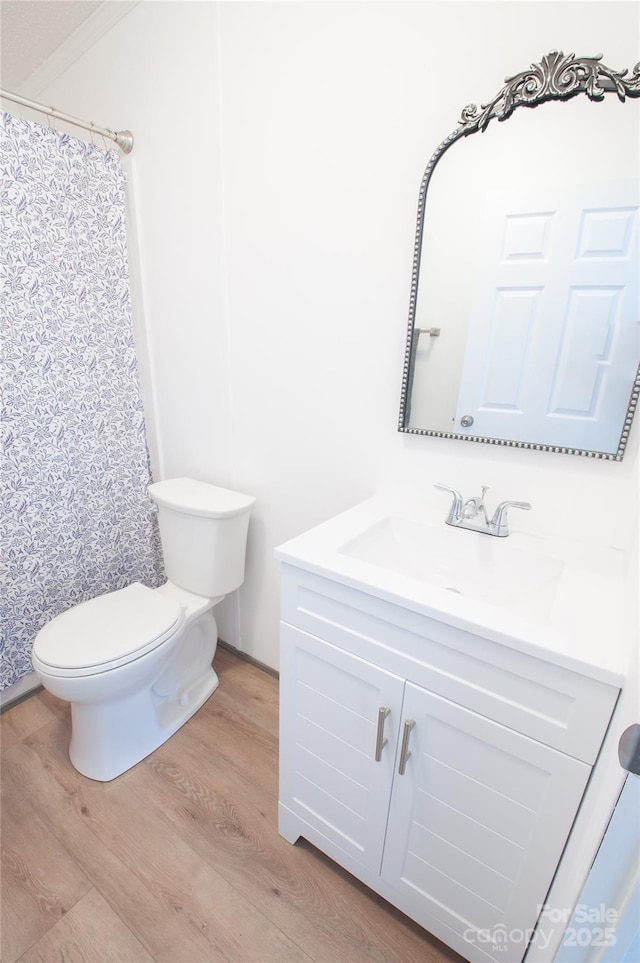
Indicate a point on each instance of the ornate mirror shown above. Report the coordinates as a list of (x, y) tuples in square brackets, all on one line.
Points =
[(524, 318)]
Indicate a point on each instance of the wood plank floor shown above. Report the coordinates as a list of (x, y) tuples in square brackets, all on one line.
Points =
[(178, 860)]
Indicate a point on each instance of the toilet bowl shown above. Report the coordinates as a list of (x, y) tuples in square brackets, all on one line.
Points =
[(135, 664)]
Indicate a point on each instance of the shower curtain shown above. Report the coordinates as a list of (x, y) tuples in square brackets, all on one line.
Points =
[(76, 519)]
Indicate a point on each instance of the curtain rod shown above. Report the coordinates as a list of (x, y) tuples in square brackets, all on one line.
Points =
[(123, 138)]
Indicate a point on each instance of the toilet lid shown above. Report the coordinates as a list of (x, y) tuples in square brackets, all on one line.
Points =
[(110, 629)]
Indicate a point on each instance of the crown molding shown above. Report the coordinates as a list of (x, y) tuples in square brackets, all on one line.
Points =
[(76, 45)]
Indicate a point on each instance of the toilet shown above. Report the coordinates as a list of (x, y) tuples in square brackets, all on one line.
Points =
[(135, 664)]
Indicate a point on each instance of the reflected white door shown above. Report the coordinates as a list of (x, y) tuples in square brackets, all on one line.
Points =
[(554, 341)]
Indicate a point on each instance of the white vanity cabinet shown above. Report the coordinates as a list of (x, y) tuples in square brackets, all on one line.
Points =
[(463, 826)]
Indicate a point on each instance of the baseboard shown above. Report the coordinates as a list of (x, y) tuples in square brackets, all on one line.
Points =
[(249, 658), (19, 691)]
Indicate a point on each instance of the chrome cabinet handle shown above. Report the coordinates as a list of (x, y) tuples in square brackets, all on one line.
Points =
[(381, 742), (404, 751)]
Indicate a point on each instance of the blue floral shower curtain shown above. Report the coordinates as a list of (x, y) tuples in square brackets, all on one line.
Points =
[(76, 520)]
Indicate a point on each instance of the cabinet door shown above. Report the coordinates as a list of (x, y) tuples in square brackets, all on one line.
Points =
[(329, 776), (476, 827)]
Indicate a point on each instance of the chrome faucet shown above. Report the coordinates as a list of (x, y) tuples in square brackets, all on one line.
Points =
[(472, 514), (473, 507)]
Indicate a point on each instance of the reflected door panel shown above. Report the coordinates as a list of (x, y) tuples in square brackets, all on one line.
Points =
[(554, 337)]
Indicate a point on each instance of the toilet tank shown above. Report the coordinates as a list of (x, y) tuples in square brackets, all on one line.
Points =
[(203, 530)]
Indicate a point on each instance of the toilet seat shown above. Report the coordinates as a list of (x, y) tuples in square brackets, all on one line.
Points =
[(108, 631)]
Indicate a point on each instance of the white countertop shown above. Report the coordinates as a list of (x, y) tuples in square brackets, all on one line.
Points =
[(577, 622)]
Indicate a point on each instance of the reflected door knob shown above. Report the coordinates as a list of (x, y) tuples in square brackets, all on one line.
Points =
[(466, 421)]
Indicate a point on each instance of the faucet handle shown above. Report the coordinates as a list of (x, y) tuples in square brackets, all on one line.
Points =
[(456, 505), (499, 524)]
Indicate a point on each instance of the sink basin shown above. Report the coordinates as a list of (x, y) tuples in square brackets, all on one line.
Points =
[(556, 596), (467, 563)]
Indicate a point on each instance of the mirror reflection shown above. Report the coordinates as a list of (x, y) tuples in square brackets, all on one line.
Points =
[(524, 322)]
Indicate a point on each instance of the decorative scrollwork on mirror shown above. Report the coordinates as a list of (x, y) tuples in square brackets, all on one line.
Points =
[(512, 334)]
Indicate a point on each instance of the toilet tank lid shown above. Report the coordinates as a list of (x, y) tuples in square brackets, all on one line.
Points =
[(199, 498)]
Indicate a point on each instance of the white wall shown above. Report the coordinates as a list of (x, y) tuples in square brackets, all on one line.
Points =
[(330, 112), (279, 150)]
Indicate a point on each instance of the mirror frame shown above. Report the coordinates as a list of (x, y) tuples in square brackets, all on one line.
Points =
[(556, 77)]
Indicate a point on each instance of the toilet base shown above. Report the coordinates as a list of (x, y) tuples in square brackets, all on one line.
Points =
[(105, 743)]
